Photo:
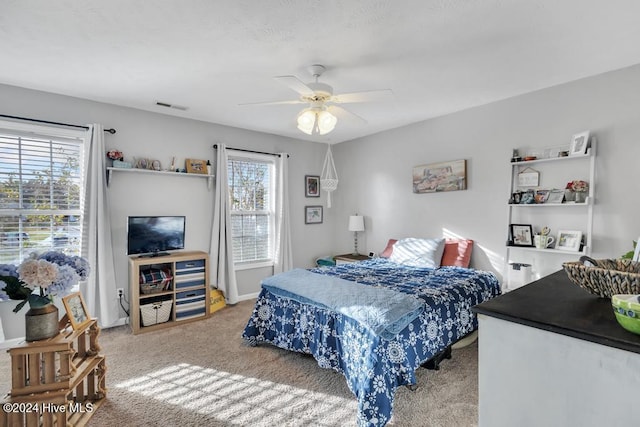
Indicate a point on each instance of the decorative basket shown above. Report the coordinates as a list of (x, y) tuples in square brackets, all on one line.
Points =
[(608, 277), (155, 280), (156, 312)]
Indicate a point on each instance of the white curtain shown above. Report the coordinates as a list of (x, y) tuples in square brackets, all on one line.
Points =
[(99, 290), (223, 275), (283, 253)]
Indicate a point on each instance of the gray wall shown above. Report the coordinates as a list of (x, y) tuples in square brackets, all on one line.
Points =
[(375, 172), (158, 136)]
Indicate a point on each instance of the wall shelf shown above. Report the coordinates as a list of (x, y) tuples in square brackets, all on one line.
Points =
[(110, 171), (552, 172)]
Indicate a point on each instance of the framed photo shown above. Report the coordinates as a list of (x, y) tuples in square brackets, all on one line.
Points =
[(196, 166), (542, 196), (142, 163), (579, 144), (76, 310), (313, 214), (311, 186), (555, 196), (521, 235), (569, 240), (438, 177)]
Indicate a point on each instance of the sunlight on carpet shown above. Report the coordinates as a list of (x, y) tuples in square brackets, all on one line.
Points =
[(233, 398)]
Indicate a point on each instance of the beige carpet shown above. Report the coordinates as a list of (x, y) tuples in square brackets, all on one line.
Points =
[(202, 374)]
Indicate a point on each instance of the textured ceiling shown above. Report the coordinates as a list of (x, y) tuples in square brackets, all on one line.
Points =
[(437, 56)]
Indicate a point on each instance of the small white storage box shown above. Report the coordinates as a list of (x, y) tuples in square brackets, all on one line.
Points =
[(519, 274), (155, 312)]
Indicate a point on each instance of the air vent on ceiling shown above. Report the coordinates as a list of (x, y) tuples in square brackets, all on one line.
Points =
[(167, 105)]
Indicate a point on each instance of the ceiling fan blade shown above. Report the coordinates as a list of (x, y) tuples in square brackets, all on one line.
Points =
[(344, 113), (295, 101), (365, 96), (294, 83)]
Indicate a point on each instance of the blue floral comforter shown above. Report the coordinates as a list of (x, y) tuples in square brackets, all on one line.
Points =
[(373, 366)]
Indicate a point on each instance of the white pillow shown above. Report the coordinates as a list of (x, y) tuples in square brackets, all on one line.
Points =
[(418, 252)]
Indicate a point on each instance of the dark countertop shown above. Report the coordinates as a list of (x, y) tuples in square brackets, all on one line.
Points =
[(556, 304)]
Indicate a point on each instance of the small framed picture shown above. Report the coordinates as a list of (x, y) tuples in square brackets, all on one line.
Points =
[(569, 240), (196, 166), (142, 163), (313, 214), (541, 196), (76, 310), (311, 186), (579, 144), (555, 196), (521, 235)]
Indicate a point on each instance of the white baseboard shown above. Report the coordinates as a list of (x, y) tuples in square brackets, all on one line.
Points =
[(248, 296)]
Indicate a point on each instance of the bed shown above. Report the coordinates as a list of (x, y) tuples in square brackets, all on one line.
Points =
[(375, 321)]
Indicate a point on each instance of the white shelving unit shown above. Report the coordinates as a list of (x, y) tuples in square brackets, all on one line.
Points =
[(110, 171), (554, 173)]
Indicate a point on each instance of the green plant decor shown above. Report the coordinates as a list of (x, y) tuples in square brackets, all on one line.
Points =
[(629, 255)]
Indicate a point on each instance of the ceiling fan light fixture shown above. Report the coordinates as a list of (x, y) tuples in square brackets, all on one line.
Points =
[(307, 120), (326, 122), (316, 121)]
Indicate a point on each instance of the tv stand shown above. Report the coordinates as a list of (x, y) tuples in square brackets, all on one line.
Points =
[(154, 254), (168, 289)]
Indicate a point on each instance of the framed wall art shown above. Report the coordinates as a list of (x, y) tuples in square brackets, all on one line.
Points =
[(76, 310), (196, 166), (438, 177), (311, 186), (313, 214), (579, 144), (521, 235), (529, 178)]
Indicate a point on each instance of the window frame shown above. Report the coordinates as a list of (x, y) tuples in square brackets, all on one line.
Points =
[(270, 211), (35, 131)]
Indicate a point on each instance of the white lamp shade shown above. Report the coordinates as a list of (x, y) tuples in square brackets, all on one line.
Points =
[(307, 121), (316, 120), (326, 122), (356, 223)]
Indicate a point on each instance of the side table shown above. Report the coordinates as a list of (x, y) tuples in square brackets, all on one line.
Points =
[(347, 258)]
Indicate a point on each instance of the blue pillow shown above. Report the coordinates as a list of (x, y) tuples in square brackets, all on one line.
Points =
[(426, 253)]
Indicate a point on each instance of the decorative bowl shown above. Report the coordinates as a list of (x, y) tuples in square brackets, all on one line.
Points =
[(627, 310)]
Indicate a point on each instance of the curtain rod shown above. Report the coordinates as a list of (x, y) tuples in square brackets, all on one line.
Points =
[(215, 147), (111, 131)]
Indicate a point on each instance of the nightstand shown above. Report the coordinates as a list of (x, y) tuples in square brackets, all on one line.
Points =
[(346, 258)]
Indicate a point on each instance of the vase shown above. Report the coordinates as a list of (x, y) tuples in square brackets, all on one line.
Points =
[(569, 195), (41, 322), (581, 196)]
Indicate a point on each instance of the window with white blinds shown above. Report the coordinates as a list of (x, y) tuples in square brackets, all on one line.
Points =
[(41, 193), (251, 194)]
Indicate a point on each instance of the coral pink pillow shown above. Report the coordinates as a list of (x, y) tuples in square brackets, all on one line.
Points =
[(389, 249), (457, 253)]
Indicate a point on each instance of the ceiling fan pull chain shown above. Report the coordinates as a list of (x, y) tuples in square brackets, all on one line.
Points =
[(329, 176)]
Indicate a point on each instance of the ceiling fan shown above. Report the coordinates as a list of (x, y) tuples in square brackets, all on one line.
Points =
[(320, 116)]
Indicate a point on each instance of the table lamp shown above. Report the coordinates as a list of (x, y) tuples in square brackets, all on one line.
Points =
[(356, 223)]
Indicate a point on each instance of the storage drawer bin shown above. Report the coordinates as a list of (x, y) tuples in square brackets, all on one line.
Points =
[(184, 265), (191, 283), (194, 294), (188, 311), (155, 312)]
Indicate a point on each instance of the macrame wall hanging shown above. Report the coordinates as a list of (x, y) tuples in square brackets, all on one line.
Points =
[(329, 176)]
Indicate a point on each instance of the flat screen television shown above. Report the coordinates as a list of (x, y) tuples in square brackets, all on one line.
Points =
[(154, 235)]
